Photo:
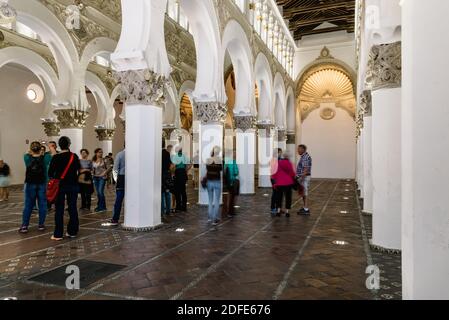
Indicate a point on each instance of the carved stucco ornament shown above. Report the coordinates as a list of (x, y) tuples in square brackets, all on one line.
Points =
[(244, 122), (291, 138), (281, 135), (167, 132), (384, 66), (7, 13), (366, 103), (105, 134), (71, 118), (210, 112), (265, 129), (142, 87), (51, 128)]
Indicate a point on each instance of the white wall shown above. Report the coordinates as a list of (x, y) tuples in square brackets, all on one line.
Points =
[(331, 144), (119, 137), (19, 118)]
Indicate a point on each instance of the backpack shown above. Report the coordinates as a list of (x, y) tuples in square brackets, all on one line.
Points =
[(35, 172)]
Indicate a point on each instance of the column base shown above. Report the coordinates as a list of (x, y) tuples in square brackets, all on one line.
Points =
[(143, 229)]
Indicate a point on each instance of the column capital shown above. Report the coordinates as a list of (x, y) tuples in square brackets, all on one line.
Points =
[(282, 135), (105, 134), (366, 103), (385, 66), (265, 128), (210, 112), (244, 122), (291, 137), (51, 128), (168, 131), (142, 87), (71, 118)]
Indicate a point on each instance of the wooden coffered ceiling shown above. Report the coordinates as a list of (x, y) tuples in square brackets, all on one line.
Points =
[(306, 16)]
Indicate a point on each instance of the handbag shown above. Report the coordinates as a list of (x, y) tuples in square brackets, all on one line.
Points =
[(53, 184), (204, 182)]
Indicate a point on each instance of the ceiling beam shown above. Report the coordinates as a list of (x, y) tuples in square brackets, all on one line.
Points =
[(320, 20), (346, 5), (300, 34)]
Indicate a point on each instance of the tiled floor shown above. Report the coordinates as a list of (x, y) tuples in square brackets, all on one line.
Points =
[(251, 256)]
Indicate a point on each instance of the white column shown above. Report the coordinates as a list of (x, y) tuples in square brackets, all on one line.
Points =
[(143, 166), (360, 163), (76, 137), (385, 80), (106, 145), (367, 166), (265, 154), (425, 145), (211, 116), (246, 152)]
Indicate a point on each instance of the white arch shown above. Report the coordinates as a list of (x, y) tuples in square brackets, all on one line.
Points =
[(279, 101), (291, 116), (264, 82), (96, 47), (105, 110), (170, 110), (206, 34), (36, 64), (236, 43)]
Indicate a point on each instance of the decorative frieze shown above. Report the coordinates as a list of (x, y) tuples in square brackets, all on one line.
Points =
[(142, 87), (366, 104), (291, 138), (210, 112), (71, 118), (51, 128), (105, 134), (265, 129), (245, 122), (384, 66)]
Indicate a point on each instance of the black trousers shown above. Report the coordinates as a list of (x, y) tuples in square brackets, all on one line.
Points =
[(180, 189), (71, 193), (274, 199), (86, 191), (285, 191)]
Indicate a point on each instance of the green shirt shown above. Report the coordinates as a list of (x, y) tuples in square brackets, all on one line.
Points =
[(180, 161), (47, 159), (231, 170)]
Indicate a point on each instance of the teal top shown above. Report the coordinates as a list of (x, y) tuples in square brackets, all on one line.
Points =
[(231, 170), (47, 159), (180, 161)]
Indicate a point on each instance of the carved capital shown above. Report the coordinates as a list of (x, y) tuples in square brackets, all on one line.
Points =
[(265, 129), (291, 138), (366, 103), (51, 128), (282, 135), (244, 123), (105, 134), (210, 112), (7, 13), (384, 66), (71, 118), (142, 87)]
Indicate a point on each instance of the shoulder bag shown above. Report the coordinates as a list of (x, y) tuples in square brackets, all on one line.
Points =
[(53, 184)]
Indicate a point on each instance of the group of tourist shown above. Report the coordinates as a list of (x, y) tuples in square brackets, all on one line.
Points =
[(284, 179), (83, 176)]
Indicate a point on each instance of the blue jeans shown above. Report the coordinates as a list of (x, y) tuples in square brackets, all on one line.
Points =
[(69, 192), (99, 184), (214, 192), (35, 192), (166, 202), (119, 196)]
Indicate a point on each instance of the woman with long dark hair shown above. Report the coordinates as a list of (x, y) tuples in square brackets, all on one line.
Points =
[(85, 180), (100, 175)]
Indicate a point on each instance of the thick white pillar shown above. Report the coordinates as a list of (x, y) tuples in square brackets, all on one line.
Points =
[(281, 141), (105, 136), (246, 141), (366, 105), (385, 80), (425, 145), (265, 150), (76, 137), (211, 133)]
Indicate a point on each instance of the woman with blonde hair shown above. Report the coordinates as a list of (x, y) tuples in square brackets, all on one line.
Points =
[(214, 167)]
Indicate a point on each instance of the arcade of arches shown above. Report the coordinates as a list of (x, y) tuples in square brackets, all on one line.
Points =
[(196, 74)]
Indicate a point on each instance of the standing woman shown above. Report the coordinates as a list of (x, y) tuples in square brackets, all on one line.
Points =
[(5, 172), (182, 166), (284, 181), (68, 189), (85, 180), (100, 175), (214, 167)]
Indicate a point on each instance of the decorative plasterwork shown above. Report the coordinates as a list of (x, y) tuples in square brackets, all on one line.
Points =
[(88, 30), (180, 76), (71, 118), (265, 129), (244, 122), (210, 112), (167, 132), (281, 135), (7, 13), (105, 134), (327, 114), (51, 128), (384, 67), (180, 44), (325, 54), (142, 87), (106, 76), (110, 8), (366, 104)]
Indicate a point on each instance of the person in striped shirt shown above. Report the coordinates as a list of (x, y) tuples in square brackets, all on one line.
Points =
[(303, 175)]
